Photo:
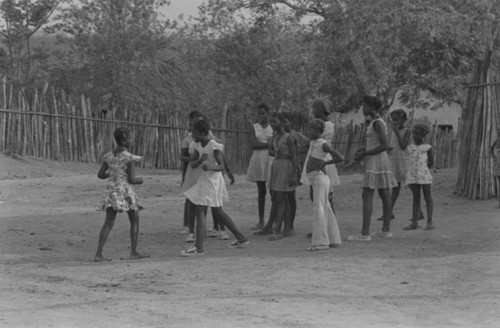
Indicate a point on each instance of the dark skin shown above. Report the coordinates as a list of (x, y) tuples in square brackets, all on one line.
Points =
[(111, 213), (397, 125), (495, 145), (263, 120), (418, 136), (280, 208), (384, 194)]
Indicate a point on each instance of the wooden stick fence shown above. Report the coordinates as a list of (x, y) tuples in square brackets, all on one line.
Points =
[(46, 124)]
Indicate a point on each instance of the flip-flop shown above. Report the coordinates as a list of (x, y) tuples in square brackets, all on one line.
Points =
[(411, 227), (317, 248), (141, 256), (102, 259), (274, 237)]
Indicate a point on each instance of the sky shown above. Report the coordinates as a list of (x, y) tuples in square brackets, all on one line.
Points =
[(186, 7)]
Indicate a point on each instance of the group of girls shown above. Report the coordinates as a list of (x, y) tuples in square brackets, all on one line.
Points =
[(389, 162), (277, 166)]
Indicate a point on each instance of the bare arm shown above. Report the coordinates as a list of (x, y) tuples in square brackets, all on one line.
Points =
[(336, 156), (131, 178), (430, 158), (256, 144), (102, 174)]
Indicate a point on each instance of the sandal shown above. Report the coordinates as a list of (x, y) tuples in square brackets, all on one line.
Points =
[(258, 226), (317, 248), (262, 232), (274, 237), (382, 218), (412, 226)]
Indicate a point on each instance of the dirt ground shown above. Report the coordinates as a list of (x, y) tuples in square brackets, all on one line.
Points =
[(448, 277)]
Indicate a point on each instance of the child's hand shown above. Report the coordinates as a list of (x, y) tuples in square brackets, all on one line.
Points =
[(139, 181), (359, 155), (203, 157), (204, 167), (231, 178)]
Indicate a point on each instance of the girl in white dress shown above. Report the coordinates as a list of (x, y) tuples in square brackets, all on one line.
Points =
[(210, 189), (419, 176)]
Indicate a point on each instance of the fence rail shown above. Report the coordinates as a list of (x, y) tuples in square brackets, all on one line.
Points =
[(46, 124)]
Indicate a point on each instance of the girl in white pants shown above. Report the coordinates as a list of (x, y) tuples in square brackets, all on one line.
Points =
[(325, 232)]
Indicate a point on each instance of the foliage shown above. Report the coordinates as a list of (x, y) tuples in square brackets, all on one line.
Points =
[(21, 20), (121, 54)]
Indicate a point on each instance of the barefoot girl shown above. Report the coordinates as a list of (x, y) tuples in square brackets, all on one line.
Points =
[(284, 177), (118, 167), (258, 168), (419, 176), (399, 138), (378, 173), (210, 189), (325, 228)]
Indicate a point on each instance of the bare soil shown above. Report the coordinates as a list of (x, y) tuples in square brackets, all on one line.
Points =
[(448, 277)]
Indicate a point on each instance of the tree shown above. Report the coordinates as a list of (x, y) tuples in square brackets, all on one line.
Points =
[(22, 20), (382, 47), (123, 54)]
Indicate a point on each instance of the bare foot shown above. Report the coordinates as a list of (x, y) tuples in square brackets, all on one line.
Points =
[(101, 259), (413, 225), (429, 226), (138, 256)]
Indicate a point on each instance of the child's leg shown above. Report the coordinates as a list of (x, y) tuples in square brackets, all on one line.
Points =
[(426, 190), (191, 216), (261, 190), (109, 221), (228, 222), (416, 210), (218, 224), (385, 195), (272, 215), (280, 201), (367, 210), (133, 217), (186, 215), (292, 201), (395, 196), (201, 212)]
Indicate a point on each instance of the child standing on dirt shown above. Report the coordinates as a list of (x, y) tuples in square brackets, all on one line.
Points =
[(419, 176), (399, 138), (210, 189), (284, 177), (321, 109), (325, 232), (118, 167), (378, 173), (495, 150), (258, 168)]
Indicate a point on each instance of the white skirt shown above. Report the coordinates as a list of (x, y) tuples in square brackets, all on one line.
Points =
[(210, 190)]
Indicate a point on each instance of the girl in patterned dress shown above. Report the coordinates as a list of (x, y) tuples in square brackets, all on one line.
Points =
[(210, 189), (495, 150), (258, 168), (118, 167), (399, 138), (419, 176), (378, 174)]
